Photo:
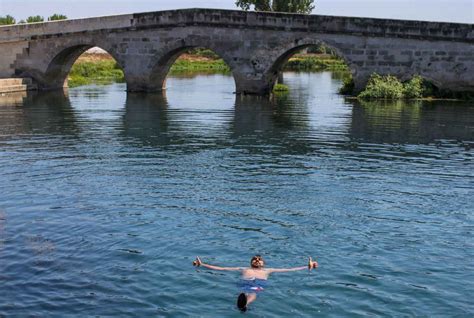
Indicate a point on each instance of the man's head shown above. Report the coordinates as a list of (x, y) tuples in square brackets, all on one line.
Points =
[(257, 262)]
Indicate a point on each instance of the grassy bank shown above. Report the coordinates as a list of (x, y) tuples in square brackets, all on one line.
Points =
[(102, 68), (185, 65), (98, 71), (316, 62)]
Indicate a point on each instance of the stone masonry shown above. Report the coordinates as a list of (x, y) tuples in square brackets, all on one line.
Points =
[(254, 44)]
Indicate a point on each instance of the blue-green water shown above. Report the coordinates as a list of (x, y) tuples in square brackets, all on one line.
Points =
[(106, 199)]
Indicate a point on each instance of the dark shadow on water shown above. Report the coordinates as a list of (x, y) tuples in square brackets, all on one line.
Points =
[(38, 113), (270, 123), (146, 119), (415, 122)]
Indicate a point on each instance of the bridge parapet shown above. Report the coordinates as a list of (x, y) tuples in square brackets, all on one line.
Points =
[(307, 23), (30, 31), (249, 20)]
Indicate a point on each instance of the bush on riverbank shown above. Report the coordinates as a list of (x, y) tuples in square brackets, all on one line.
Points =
[(413, 89), (281, 89), (382, 87), (347, 87), (389, 87)]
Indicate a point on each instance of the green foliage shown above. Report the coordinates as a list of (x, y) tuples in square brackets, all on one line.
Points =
[(389, 87), (75, 81), (315, 63), (259, 5), (383, 87), (7, 20), (318, 49), (34, 19), (413, 88), (108, 71), (204, 53), (197, 66), (84, 73), (347, 86), (294, 6), (281, 88), (57, 17)]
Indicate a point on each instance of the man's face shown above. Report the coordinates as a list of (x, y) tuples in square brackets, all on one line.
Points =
[(257, 262)]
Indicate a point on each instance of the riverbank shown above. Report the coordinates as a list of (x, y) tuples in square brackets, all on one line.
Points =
[(102, 69)]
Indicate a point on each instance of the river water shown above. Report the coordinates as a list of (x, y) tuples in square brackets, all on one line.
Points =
[(106, 199)]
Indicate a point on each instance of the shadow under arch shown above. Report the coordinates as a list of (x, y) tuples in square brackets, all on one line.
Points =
[(57, 72), (287, 51), (161, 67)]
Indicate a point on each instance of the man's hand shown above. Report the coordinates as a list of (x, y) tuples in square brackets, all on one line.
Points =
[(312, 264), (197, 262)]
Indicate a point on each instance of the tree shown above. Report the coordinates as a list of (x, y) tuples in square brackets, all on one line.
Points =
[(293, 6), (36, 18), (57, 17), (7, 20)]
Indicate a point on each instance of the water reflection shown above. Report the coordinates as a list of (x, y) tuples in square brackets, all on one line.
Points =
[(293, 124), (417, 122), (37, 113), (151, 121), (271, 123), (146, 120)]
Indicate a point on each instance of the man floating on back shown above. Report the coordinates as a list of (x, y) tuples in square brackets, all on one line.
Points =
[(254, 278)]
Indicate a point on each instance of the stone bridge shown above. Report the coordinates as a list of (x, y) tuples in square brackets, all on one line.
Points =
[(255, 45)]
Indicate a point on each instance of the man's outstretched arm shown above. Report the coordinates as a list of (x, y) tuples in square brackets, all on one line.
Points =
[(199, 263), (311, 265)]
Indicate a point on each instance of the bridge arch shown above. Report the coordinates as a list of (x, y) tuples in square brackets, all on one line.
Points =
[(62, 60), (286, 51), (162, 63)]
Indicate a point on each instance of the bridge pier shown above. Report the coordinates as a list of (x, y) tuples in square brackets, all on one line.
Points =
[(245, 86)]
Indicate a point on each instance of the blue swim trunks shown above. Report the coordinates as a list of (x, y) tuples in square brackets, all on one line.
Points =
[(254, 286)]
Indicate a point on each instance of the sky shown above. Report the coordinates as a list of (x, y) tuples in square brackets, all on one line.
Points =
[(461, 11)]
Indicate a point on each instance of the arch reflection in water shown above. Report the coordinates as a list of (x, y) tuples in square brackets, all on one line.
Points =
[(38, 113), (275, 72), (150, 120)]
